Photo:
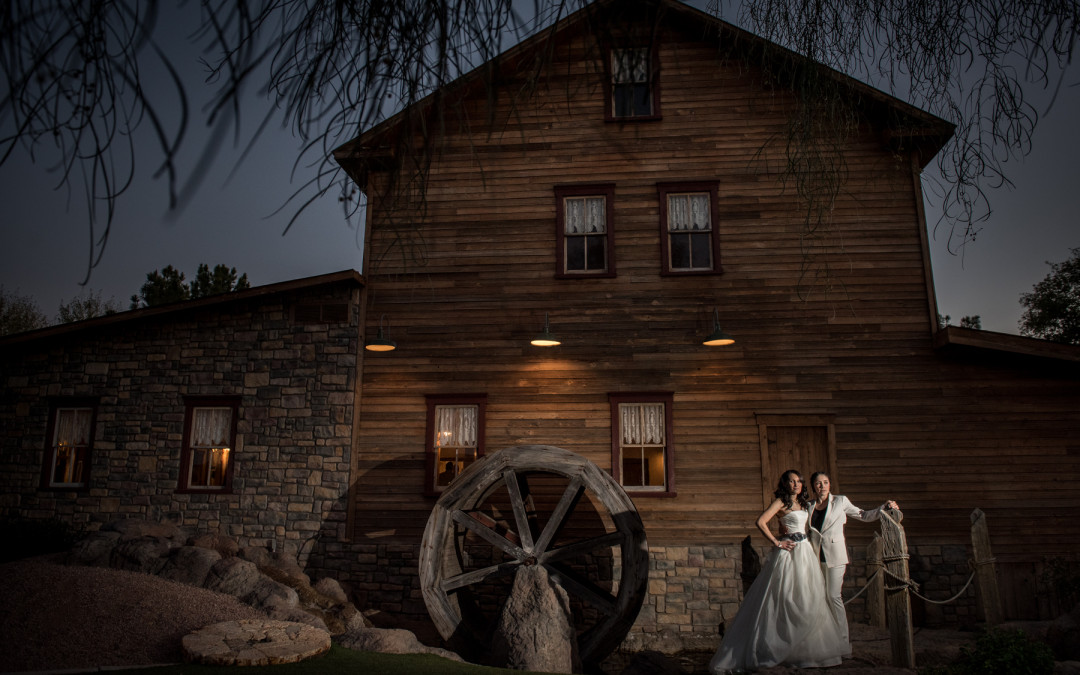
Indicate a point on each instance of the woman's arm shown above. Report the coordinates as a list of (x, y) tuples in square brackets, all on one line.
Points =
[(763, 525)]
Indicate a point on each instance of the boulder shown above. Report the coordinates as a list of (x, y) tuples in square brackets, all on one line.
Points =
[(297, 615), (134, 528), (534, 630), (189, 565), (243, 579), (223, 544), (143, 554), (389, 641), (332, 589), (95, 549)]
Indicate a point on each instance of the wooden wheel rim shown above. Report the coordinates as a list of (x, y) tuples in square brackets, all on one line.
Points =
[(440, 571)]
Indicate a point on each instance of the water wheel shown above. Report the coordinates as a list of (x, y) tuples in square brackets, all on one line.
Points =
[(534, 505)]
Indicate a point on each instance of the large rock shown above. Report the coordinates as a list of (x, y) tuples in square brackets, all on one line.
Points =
[(134, 528), (223, 544), (243, 579), (331, 589), (189, 565), (535, 631), (388, 641), (95, 549), (144, 554)]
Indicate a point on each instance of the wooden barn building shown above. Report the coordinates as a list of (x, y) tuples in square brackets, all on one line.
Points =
[(627, 198)]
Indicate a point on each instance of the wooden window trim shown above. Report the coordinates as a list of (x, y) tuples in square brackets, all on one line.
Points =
[(434, 400), (609, 97), (190, 403), (606, 190), (55, 405), (667, 398), (663, 189)]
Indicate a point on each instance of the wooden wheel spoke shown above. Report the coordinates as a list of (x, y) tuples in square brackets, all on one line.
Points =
[(476, 576), (517, 503), (586, 590), (585, 546), (560, 514), (485, 532)]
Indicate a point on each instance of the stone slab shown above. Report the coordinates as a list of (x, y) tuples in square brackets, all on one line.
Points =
[(254, 642)]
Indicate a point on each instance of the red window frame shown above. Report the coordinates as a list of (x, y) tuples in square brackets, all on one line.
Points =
[(667, 398), (663, 190), (190, 403), (562, 192), (48, 465), (431, 453)]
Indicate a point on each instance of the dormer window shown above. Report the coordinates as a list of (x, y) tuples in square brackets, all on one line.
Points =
[(634, 91)]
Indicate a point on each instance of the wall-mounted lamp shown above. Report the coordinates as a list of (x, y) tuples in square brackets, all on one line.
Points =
[(380, 343), (717, 338), (546, 339)]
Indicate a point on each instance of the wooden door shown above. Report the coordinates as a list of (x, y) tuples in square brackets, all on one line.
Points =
[(794, 443)]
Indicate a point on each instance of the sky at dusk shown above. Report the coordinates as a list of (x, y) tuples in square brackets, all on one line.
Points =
[(232, 220)]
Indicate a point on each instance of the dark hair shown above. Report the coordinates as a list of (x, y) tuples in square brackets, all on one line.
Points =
[(813, 476), (782, 491)]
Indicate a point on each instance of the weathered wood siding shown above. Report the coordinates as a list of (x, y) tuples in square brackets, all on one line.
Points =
[(834, 325)]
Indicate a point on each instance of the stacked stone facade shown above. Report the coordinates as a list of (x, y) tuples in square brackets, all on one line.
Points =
[(296, 384)]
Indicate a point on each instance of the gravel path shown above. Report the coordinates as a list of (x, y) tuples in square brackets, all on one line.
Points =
[(55, 617)]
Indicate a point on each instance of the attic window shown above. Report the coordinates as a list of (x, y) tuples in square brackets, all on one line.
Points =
[(633, 85), (337, 312)]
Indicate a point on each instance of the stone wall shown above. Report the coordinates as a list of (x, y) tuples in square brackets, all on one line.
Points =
[(295, 379)]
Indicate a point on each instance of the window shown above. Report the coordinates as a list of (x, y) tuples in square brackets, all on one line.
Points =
[(206, 462), (70, 440), (689, 241), (641, 448), (634, 90), (583, 226), (455, 437)]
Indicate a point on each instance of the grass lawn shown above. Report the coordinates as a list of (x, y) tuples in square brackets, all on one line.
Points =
[(337, 661)]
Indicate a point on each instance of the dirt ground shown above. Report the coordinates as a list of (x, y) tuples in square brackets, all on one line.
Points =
[(59, 617)]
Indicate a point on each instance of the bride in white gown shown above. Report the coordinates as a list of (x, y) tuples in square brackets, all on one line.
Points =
[(785, 616)]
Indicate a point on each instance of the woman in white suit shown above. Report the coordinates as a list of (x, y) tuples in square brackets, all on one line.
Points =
[(828, 514)]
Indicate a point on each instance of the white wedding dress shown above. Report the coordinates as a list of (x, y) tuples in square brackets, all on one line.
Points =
[(784, 617)]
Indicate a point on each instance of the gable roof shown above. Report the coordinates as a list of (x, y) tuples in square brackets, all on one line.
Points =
[(173, 308), (924, 133)]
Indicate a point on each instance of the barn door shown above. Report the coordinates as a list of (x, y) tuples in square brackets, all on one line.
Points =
[(802, 442)]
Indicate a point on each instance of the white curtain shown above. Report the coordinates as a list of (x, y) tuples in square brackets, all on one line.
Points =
[(73, 426), (455, 425), (585, 215), (629, 65), (210, 427), (688, 212), (642, 423)]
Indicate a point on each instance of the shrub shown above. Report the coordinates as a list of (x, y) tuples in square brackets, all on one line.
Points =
[(25, 537), (1000, 652)]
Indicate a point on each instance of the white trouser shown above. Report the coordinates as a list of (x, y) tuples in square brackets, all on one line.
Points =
[(834, 585)]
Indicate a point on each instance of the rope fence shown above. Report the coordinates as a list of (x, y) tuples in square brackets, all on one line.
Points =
[(892, 589)]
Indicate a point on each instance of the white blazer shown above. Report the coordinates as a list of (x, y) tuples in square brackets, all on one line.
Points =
[(831, 535)]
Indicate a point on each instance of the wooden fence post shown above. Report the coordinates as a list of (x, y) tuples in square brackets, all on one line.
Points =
[(985, 570), (897, 600), (875, 593)]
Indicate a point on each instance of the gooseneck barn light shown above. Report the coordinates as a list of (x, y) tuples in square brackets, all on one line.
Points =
[(717, 338), (546, 339)]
